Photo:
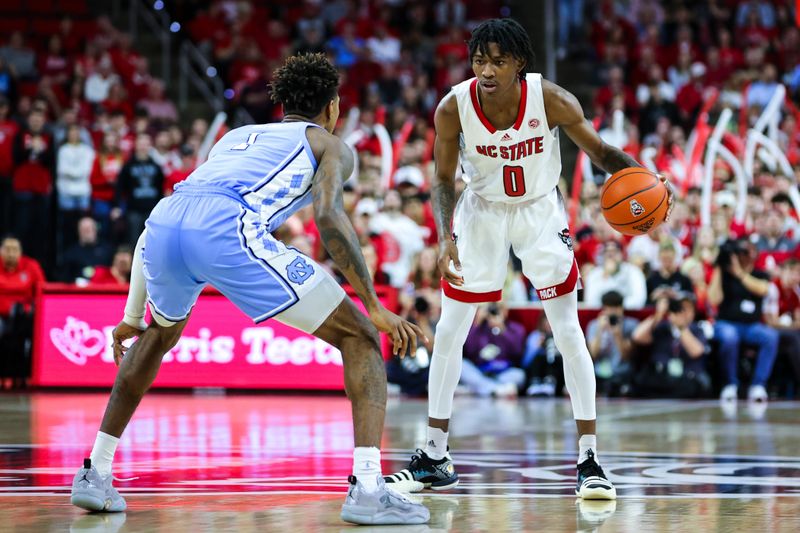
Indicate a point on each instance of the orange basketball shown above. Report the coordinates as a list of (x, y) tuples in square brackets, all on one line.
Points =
[(634, 201)]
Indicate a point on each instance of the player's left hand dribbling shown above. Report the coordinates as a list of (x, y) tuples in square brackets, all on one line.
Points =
[(120, 334)]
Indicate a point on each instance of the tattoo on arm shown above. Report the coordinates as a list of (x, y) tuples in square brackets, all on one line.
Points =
[(444, 199), (335, 229), (614, 160)]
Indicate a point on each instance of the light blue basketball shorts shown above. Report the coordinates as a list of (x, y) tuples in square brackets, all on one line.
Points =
[(208, 235)]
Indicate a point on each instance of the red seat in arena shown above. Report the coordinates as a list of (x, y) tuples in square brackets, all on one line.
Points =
[(11, 6), (45, 27), (11, 24), (39, 6), (73, 7)]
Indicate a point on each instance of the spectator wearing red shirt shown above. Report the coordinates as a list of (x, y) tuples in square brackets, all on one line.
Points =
[(773, 245), (107, 164), (119, 273), (690, 96), (33, 184), (140, 80), (716, 72), (730, 56), (783, 313), (55, 64), (187, 166), (453, 45), (616, 86), (124, 58), (118, 102), (8, 131), (69, 36), (19, 278)]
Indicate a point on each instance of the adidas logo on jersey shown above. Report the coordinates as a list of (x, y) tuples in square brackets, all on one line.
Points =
[(506, 137)]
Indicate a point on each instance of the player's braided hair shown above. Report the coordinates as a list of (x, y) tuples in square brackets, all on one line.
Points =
[(509, 35), (305, 84)]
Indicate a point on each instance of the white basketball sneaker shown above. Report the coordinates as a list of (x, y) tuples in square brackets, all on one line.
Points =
[(730, 393), (94, 492), (383, 506), (757, 393)]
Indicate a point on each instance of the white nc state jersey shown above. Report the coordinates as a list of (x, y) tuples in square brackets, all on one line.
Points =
[(513, 165)]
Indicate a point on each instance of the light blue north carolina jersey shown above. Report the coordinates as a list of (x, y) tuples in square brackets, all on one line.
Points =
[(216, 229), (271, 166)]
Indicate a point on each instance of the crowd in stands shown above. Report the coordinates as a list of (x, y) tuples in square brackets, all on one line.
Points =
[(89, 143)]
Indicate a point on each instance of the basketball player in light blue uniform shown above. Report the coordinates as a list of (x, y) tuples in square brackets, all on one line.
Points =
[(216, 229)]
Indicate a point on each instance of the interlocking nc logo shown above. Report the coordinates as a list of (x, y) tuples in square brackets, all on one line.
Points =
[(77, 341), (298, 271)]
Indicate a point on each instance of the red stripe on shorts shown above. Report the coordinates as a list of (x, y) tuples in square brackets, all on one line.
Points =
[(470, 297), (566, 287)]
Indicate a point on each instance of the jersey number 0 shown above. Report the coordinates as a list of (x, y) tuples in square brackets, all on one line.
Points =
[(514, 180)]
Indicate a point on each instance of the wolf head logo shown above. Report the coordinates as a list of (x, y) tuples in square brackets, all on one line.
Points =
[(566, 238), (636, 208)]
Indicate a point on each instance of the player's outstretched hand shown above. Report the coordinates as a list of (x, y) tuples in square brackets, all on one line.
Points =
[(670, 196), (403, 333), (120, 334), (447, 253)]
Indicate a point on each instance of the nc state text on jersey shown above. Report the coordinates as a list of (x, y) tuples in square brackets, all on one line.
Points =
[(513, 152)]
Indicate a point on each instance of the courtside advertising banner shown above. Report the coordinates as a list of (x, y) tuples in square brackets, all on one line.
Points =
[(220, 347)]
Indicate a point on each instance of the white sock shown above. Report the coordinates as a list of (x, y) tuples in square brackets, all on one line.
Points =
[(586, 443), (436, 446), (367, 466), (103, 452)]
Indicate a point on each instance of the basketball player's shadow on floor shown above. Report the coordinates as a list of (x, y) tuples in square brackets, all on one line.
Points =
[(591, 514), (98, 523)]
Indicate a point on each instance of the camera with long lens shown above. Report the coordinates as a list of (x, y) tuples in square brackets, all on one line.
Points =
[(421, 305), (727, 250)]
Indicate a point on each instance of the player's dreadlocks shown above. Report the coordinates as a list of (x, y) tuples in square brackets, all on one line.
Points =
[(509, 35), (305, 84)]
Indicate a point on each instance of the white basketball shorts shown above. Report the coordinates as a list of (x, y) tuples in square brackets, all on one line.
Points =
[(538, 232)]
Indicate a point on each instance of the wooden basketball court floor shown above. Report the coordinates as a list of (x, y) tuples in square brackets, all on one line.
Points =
[(280, 463)]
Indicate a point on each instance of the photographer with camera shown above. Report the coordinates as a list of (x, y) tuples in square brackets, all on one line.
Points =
[(677, 344), (410, 374), (493, 354), (609, 340), (738, 291)]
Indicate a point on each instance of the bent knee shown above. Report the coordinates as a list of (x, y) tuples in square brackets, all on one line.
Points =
[(369, 334), (569, 339)]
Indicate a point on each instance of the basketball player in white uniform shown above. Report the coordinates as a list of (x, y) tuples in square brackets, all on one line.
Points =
[(216, 229), (503, 125)]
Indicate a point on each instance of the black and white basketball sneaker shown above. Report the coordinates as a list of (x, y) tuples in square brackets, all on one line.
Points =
[(592, 481), (424, 473)]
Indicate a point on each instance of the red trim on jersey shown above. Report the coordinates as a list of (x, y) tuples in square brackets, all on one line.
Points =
[(473, 92), (561, 289), (470, 297), (523, 102)]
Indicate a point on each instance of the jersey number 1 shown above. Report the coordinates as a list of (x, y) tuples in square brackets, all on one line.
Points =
[(514, 180), (251, 139)]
